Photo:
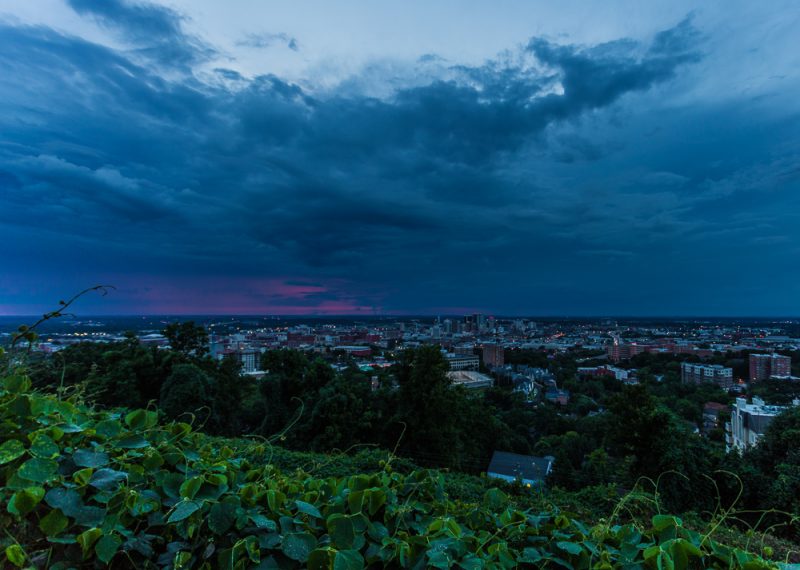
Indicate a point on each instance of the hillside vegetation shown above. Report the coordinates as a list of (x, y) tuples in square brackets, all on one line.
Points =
[(85, 488)]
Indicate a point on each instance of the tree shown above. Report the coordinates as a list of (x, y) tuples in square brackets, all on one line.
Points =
[(187, 338), (186, 390), (428, 406)]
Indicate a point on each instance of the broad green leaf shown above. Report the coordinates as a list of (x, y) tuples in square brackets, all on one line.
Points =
[(308, 509), (184, 510), (263, 522), (67, 500), (107, 547), (107, 479), (571, 547), (15, 555), (24, 501), (87, 539), (38, 470), (83, 476), (181, 560), (16, 384), (141, 419), (87, 458), (495, 499), (144, 503), (71, 504), (133, 442), (53, 523), (108, 429), (661, 522), (348, 560), (221, 517), (190, 487), (377, 498), (152, 459), (298, 546), (43, 446), (11, 450), (341, 531), (321, 559)]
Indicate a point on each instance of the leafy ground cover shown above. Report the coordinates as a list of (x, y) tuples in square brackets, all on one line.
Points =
[(84, 488)]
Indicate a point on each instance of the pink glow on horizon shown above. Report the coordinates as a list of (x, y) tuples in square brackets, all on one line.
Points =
[(218, 295)]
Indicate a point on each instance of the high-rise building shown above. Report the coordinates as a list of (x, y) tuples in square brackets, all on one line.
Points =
[(493, 355), (697, 373), (765, 366)]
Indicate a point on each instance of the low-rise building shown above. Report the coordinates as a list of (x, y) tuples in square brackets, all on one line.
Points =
[(463, 361), (470, 379), (528, 469), (692, 373)]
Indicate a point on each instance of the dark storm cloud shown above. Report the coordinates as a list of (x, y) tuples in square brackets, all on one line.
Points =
[(500, 183)]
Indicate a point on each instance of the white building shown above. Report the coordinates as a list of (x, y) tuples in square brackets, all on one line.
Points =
[(750, 421)]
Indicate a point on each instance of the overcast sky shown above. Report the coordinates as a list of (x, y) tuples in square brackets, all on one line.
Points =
[(361, 157)]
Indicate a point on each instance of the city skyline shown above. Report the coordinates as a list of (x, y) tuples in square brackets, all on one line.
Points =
[(595, 159)]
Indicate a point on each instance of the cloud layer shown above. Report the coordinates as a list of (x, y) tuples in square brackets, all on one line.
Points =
[(554, 179)]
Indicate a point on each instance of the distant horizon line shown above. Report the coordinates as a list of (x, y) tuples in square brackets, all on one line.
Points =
[(398, 315)]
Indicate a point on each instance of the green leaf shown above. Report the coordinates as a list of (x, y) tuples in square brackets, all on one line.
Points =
[(263, 522), (341, 531), (661, 522), (133, 442), (70, 503), (190, 487), (184, 510), (308, 509), (11, 450), (107, 429), (107, 479), (146, 502), (377, 498), (571, 547), (107, 547), (140, 419), (15, 555), (181, 560), (43, 446), (221, 517), (16, 384), (83, 476), (24, 501), (152, 459), (298, 546), (53, 523), (38, 470), (321, 559), (87, 539), (86, 458), (348, 560), (495, 499)]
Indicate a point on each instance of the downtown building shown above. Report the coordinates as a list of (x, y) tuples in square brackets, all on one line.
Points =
[(692, 373), (493, 355), (766, 366)]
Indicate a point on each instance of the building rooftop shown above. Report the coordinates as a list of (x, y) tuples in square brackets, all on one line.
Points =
[(525, 467)]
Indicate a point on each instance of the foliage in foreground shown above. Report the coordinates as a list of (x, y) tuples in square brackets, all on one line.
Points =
[(85, 488)]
